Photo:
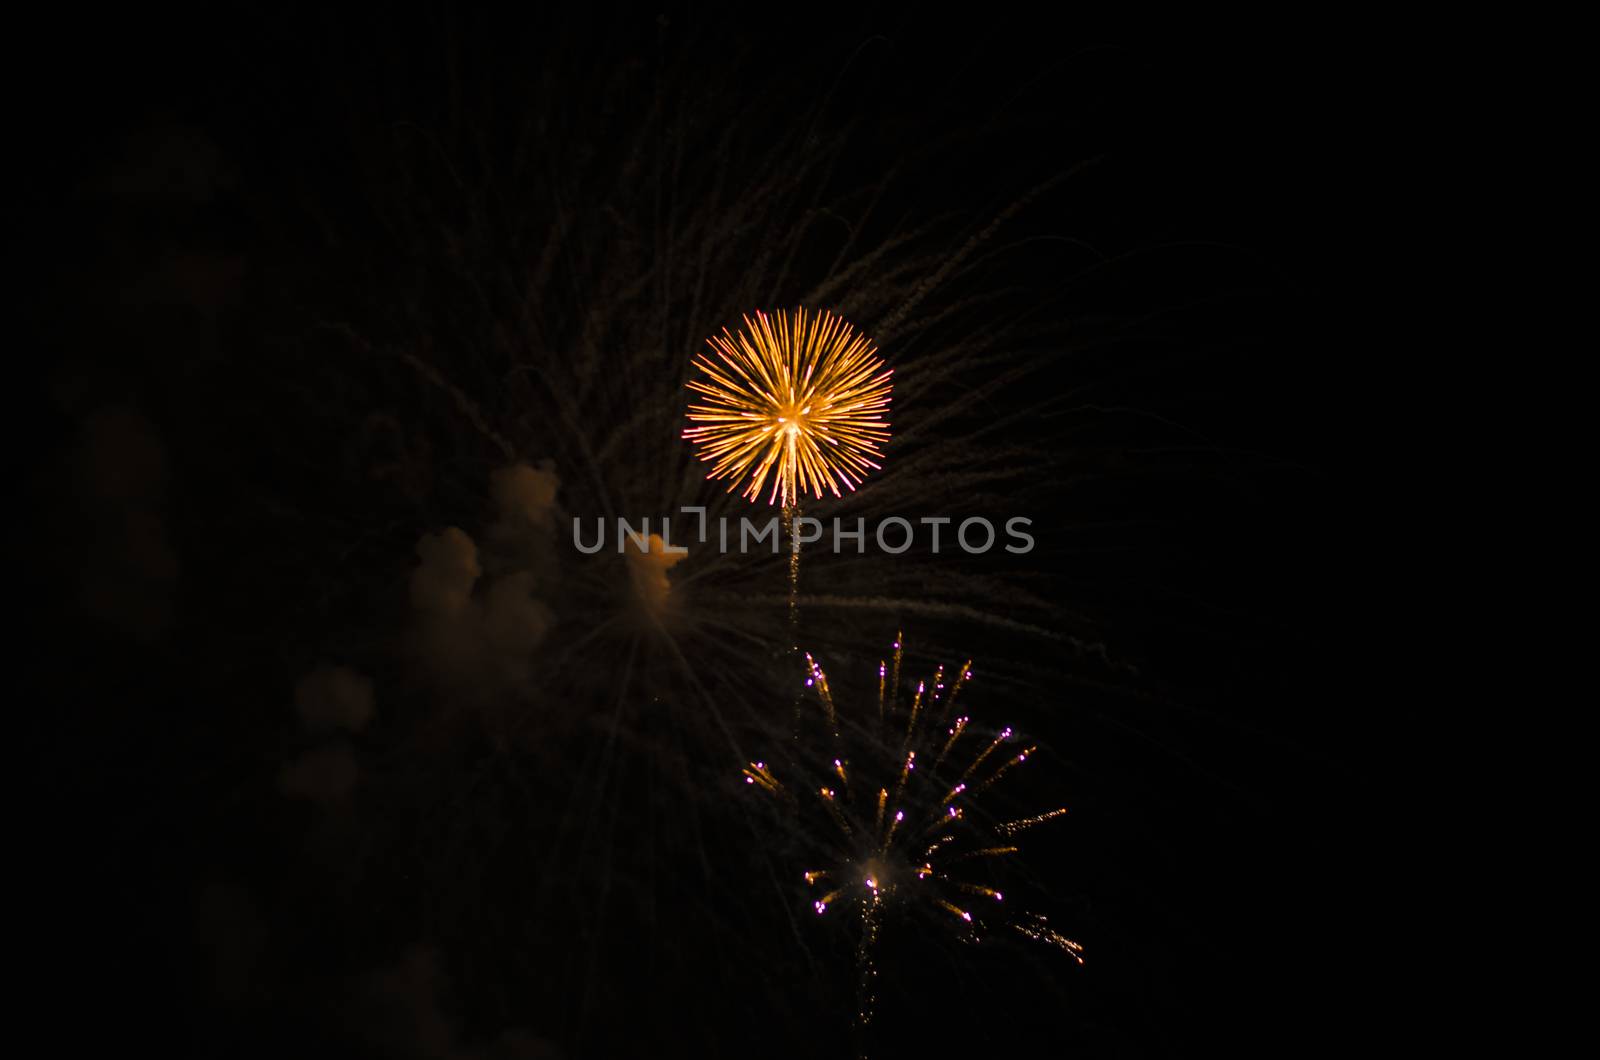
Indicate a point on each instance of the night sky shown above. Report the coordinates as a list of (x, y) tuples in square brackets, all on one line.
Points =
[(339, 747)]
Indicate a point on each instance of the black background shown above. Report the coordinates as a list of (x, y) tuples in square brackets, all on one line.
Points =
[(1225, 819)]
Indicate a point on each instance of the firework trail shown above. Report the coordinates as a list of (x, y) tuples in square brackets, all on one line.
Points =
[(801, 401)]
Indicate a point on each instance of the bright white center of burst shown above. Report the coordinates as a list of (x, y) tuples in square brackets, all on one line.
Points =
[(792, 419)]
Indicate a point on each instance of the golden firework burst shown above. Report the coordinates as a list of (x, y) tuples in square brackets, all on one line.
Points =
[(798, 399)]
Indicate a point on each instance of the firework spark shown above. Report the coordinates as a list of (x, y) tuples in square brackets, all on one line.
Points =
[(798, 400), (905, 827)]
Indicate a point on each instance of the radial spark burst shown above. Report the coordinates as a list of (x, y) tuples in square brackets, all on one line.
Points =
[(795, 399), (907, 826)]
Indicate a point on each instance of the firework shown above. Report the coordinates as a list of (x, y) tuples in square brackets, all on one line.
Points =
[(533, 307), (795, 400), (905, 826)]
